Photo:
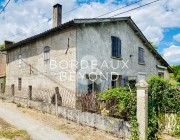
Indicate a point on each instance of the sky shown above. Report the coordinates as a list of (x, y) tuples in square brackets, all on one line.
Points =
[(159, 22)]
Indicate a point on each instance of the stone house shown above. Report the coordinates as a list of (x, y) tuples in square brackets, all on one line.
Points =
[(2, 71), (115, 47)]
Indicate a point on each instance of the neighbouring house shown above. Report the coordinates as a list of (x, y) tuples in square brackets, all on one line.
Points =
[(2, 72), (121, 55)]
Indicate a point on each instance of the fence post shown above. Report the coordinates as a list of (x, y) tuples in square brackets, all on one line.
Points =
[(56, 100), (142, 108)]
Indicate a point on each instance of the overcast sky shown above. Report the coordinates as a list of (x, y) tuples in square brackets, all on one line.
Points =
[(160, 22)]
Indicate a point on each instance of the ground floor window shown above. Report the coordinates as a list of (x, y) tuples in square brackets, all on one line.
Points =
[(93, 85), (116, 81), (161, 74), (19, 83)]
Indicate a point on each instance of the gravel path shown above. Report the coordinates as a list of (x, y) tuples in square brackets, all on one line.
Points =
[(37, 130)]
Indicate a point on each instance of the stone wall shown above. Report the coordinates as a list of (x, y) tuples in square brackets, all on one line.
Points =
[(112, 125), (95, 40), (43, 78)]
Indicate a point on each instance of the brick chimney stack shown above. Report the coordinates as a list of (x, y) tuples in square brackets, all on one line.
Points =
[(8, 43), (57, 15)]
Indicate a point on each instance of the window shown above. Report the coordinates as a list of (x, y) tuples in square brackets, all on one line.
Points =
[(161, 74), (116, 47), (19, 83), (141, 55), (116, 81), (46, 54), (92, 85)]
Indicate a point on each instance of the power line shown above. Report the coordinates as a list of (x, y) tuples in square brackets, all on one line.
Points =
[(72, 10), (35, 26), (136, 8), (108, 12), (5, 6), (119, 8)]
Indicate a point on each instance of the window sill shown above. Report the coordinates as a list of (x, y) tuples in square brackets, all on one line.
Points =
[(117, 58), (141, 63)]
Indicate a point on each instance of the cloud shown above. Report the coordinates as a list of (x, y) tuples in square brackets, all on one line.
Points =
[(177, 37), (172, 55), (20, 17)]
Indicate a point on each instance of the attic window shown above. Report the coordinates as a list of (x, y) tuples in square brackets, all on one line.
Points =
[(46, 54), (116, 47)]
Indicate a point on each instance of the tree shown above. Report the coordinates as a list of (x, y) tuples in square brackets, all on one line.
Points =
[(176, 72), (2, 46), (153, 45)]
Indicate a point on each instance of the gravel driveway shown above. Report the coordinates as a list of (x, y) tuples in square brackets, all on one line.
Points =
[(37, 130)]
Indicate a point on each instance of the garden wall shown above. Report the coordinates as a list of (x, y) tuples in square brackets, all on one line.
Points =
[(116, 126)]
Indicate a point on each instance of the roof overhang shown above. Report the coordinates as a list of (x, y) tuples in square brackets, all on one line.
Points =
[(95, 20)]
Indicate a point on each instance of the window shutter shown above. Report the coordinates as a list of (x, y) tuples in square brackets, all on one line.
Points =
[(140, 55), (116, 47), (119, 47), (113, 45)]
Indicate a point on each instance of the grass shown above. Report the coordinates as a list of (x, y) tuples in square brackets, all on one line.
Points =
[(10, 132)]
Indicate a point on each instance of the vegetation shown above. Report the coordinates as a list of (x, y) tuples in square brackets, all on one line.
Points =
[(2, 46), (121, 103), (10, 132), (153, 45), (176, 72), (163, 99)]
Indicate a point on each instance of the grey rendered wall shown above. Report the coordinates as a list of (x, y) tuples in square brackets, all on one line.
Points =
[(34, 72), (95, 40)]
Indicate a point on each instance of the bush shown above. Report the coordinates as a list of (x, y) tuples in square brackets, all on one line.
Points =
[(121, 103), (163, 99)]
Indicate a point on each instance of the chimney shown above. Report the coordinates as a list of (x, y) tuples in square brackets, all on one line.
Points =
[(57, 15), (8, 43)]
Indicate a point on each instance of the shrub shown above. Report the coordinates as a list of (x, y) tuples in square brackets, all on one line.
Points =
[(163, 98), (121, 103)]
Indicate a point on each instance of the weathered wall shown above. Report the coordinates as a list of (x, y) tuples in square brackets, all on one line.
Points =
[(34, 72), (95, 40), (2, 64), (116, 126)]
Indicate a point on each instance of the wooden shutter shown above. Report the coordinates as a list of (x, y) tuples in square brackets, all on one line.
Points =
[(116, 47), (140, 55)]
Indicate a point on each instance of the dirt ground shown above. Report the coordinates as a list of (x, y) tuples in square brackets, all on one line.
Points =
[(78, 132), (8, 131)]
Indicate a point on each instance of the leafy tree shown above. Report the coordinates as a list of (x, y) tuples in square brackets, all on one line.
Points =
[(153, 45), (177, 72), (2, 46)]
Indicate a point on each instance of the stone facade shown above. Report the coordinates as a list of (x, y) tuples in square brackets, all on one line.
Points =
[(33, 71), (95, 40), (28, 73)]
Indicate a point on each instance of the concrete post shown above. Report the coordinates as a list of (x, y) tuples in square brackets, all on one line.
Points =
[(142, 108)]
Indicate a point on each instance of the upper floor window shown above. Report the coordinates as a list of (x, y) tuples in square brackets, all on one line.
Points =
[(116, 47), (141, 55), (46, 54)]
